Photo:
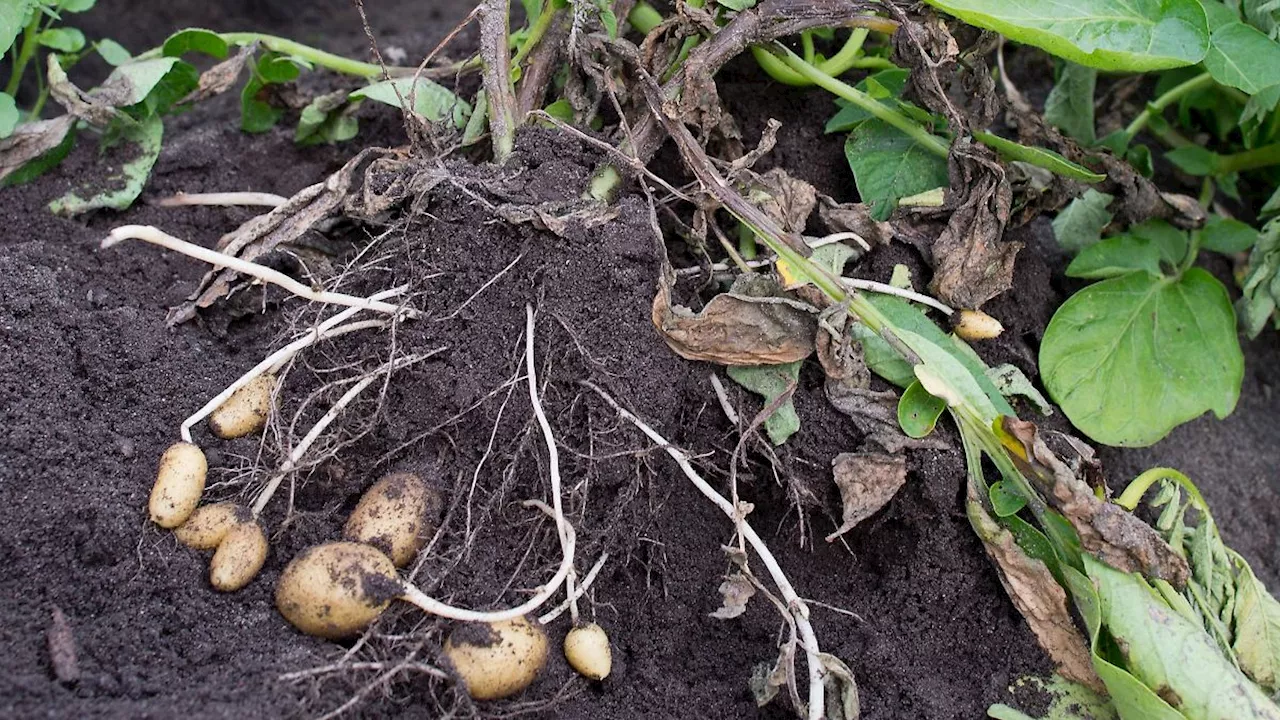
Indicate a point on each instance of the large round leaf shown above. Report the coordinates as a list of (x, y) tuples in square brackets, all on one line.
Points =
[(1130, 358), (1121, 35)]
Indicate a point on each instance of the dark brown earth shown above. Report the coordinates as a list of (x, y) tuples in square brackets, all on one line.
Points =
[(93, 386)]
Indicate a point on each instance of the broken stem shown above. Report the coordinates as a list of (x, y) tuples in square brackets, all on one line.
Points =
[(795, 604), (155, 236)]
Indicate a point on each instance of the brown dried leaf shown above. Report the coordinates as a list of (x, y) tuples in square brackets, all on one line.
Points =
[(221, 77), (855, 218), (752, 324), (31, 140), (736, 589), (786, 199), (1113, 534), (62, 649), (876, 415), (867, 482), (76, 101), (1037, 595)]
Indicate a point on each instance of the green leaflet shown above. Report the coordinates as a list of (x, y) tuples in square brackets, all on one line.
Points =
[(1243, 57), (918, 411), (430, 100), (195, 40), (1069, 106), (1069, 701), (1154, 247), (327, 119), (1115, 35), (1132, 357), (112, 52), (945, 376), (1040, 157), (13, 15), (884, 86), (1257, 634), (1227, 236), (770, 382), (9, 115), (62, 39), (119, 190), (889, 165), (1080, 224)]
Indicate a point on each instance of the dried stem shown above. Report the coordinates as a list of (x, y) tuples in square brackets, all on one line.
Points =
[(499, 93)]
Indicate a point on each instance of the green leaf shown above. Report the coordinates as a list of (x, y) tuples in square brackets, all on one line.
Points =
[(918, 411), (1195, 160), (327, 119), (13, 15), (1261, 287), (75, 6), (944, 375), (62, 39), (9, 115), (770, 382), (885, 86), (275, 69), (887, 164), (1005, 501), (430, 100), (1227, 236), (737, 5), (118, 191), (112, 52), (1130, 358), (1115, 35), (1257, 633), (1260, 105), (159, 81), (1069, 106), (195, 40), (1040, 157), (1080, 224), (1155, 247), (561, 110), (1242, 57), (256, 115)]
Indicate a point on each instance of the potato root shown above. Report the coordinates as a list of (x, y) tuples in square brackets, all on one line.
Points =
[(337, 589), (179, 484), (397, 515), (497, 660)]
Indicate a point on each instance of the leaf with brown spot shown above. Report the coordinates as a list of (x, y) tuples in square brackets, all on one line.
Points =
[(221, 77), (786, 199), (875, 413), (867, 482), (30, 141), (855, 218), (752, 324)]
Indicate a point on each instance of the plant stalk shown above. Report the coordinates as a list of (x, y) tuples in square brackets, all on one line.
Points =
[(24, 55), (644, 18), (1254, 159), (1158, 105), (536, 31)]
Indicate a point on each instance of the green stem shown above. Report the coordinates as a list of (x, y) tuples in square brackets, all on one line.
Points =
[(24, 55), (644, 18), (536, 31), (1158, 105), (914, 130), (316, 56), (42, 94), (1132, 494), (1254, 159), (849, 57), (806, 46), (1193, 249)]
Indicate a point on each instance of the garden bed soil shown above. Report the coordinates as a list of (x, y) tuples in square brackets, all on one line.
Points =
[(93, 385)]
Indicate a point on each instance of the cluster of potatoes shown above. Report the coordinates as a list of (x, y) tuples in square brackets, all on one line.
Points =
[(337, 589)]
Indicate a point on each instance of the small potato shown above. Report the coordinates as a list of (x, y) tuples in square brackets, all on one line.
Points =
[(239, 557), (977, 325), (497, 660), (179, 484), (246, 411), (587, 650), (397, 515), (207, 526), (336, 589)]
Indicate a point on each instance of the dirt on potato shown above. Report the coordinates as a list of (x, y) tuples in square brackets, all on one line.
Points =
[(93, 386)]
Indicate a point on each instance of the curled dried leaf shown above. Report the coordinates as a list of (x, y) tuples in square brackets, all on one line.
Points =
[(31, 140), (221, 77), (736, 589), (867, 482)]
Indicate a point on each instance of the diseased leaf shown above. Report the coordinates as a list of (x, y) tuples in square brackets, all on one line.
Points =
[(430, 100), (1040, 157), (1069, 106), (327, 119), (736, 591), (34, 148), (221, 77), (867, 482), (918, 411), (118, 191), (1257, 629), (887, 164), (159, 82), (1130, 358), (1011, 382), (1115, 35), (1080, 224), (1068, 701), (1261, 286), (772, 382), (1242, 57)]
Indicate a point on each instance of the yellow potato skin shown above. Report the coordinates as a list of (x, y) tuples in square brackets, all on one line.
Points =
[(239, 557), (246, 411), (503, 667), (977, 325), (209, 524), (179, 485), (396, 515), (337, 589), (587, 650)]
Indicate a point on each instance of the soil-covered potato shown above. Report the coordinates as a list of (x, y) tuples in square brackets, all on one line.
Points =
[(497, 660), (397, 515), (336, 589), (179, 484), (209, 524), (246, 411), (239, 557), (587, 650)]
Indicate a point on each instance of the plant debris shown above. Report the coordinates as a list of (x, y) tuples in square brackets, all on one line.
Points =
[(867, 482)]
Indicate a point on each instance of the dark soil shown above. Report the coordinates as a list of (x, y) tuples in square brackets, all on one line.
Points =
[(93, 386)]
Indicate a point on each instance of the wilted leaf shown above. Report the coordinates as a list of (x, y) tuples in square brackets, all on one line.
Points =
[(32, 141), (1036, 593), (775, 383), (1080, 224), (1069, 106), (752, 324), (221, 77), (327, 119), (736, 590), (766, 680), (842, 690), (855, 218), (1068, 701), (867, 482), (1010, 381), (1039, 157), (786, 199), (160, 82), (118, 191), (1261, 286), (1107, 530), (1257, 629)]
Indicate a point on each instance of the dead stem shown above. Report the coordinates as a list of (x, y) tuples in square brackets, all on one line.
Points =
[(496, 52)]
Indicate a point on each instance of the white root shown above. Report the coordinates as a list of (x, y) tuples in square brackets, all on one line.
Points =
[(578, 592), (291, 463), (276, 360), (883, 289), (224, 199), (795, 604), (156, 236)]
